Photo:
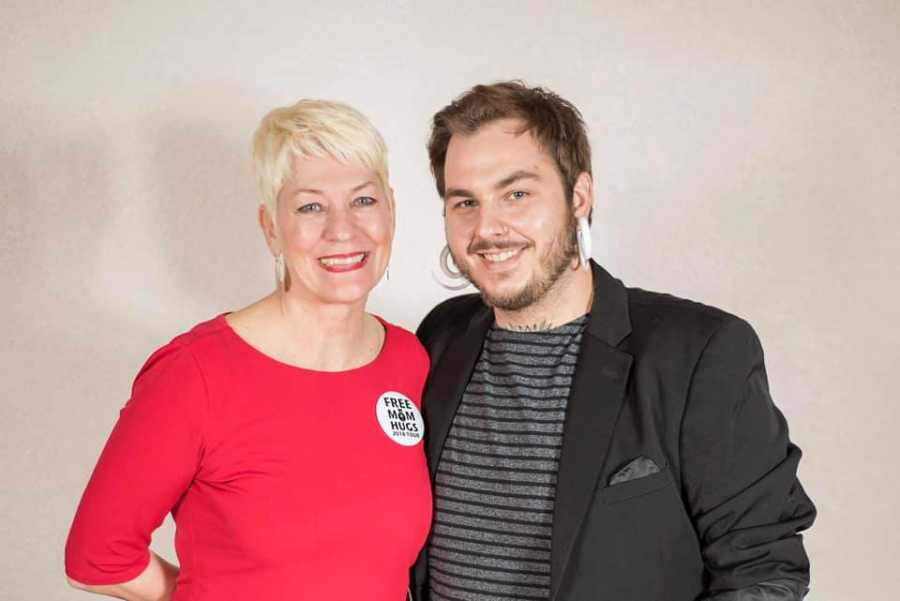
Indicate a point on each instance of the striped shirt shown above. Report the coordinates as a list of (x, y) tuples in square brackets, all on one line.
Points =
[(495, 484)]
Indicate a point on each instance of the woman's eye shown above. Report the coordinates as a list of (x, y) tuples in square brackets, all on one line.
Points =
[(364, 201), (518, 195), (310, 207)]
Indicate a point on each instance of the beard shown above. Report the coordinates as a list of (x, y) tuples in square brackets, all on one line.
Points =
[(552, 264)]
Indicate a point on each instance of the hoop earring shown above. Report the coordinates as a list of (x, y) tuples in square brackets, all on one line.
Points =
[(453, 274), (583, 237)]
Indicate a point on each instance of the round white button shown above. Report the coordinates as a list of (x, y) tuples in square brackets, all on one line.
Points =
[(399, 418)]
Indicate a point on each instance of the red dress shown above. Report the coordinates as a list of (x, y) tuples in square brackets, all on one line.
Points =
[(284, 483)]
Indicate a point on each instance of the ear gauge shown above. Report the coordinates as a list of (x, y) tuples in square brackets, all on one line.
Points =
[(584, 240), (449, 272)]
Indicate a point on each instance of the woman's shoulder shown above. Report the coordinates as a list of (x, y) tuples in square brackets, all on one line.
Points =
[(202, 337), (404, 344), (205, 331), (192, 345)]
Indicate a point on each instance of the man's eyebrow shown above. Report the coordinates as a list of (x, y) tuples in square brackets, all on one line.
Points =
[(509, 179), (516, 176), (451, 192)]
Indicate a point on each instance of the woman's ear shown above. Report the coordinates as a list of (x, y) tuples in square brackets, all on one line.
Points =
[(393, 205), (267, 224)]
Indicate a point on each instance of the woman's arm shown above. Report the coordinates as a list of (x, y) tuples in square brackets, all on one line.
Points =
[(146, 467), (155, 583)]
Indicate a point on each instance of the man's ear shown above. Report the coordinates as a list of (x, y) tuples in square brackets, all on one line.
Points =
[(583, 195)]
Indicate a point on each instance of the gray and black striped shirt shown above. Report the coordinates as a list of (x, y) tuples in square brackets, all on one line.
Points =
[(495, 484)]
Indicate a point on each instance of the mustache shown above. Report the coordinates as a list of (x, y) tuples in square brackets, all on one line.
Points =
[(482, 245)]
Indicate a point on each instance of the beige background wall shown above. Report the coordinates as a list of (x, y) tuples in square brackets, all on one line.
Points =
[(747, 154)]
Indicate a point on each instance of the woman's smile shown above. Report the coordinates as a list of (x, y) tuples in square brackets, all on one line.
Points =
[(344, 262)]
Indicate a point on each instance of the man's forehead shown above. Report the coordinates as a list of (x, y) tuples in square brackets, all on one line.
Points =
[(500, 145), (500, 129)]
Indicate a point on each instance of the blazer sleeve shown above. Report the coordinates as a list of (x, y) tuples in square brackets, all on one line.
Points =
[(739, 475), (148, 463)]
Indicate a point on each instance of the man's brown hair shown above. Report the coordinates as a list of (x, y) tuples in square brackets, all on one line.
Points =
[(554, 122)]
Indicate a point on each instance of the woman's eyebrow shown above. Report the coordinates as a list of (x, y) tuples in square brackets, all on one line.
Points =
[(365, 184)]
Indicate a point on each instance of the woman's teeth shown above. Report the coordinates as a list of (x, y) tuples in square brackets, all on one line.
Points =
[(342, 261)]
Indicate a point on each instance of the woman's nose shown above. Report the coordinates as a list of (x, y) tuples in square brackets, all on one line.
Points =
[(339, 225)]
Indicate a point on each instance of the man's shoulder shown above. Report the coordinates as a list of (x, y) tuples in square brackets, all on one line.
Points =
[(451, 312), (449, 316), (657, 314)]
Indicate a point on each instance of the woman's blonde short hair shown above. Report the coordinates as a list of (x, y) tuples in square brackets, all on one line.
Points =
[(317, 128)]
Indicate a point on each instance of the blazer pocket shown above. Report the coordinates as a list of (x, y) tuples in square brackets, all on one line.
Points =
[(636, 488)]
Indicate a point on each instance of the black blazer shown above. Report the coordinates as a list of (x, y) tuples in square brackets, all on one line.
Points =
[(680, 384)]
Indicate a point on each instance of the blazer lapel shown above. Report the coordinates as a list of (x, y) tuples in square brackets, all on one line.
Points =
[(448, 382), (598, 391)]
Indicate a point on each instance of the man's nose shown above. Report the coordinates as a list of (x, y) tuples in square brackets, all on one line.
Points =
[(490, 222)]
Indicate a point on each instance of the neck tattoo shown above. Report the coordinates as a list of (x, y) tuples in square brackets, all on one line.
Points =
[(531, 327)]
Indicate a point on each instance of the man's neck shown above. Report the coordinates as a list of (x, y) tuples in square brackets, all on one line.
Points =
[(568, 299)]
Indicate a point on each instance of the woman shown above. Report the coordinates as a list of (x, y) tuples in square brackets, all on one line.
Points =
[(285, 438)]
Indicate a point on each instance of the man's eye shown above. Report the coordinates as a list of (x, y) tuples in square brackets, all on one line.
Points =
[(310, 207), (518, 194), (364, 201), (468, 203)]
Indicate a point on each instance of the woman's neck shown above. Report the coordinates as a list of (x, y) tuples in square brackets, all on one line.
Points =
[(312, 335)]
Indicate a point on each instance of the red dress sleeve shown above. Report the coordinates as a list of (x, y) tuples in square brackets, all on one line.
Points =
[(148, 463)]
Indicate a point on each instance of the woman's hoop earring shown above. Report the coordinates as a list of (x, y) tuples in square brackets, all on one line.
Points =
[(450, 272), (583, 237)]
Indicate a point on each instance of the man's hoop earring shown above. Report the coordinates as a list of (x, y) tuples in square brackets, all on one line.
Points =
[(584, 240), (450, 272)]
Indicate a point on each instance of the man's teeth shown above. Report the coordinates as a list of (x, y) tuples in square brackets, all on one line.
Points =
[(342, 261), (498, 257)]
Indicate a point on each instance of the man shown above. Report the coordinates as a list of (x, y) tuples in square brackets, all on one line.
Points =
[(587, 441)]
